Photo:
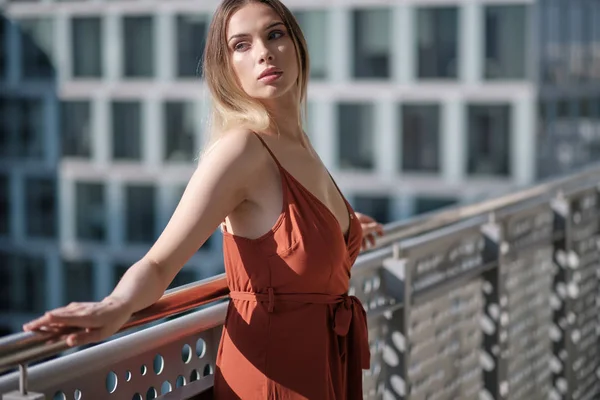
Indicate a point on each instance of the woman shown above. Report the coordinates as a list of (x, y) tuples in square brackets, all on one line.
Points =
[(290, 237)]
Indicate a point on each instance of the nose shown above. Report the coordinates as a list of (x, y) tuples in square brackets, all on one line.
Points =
[(264, 53)]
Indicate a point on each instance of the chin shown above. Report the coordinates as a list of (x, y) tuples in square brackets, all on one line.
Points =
[(273, 91), (269, 93)]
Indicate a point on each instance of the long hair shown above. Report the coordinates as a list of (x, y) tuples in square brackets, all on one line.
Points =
[(230, 105)]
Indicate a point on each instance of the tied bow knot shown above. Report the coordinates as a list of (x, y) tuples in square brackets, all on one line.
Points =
[(349, 313), (343, 315)]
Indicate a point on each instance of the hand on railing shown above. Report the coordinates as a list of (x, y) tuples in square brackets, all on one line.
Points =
[(92, 322), (370, 229)]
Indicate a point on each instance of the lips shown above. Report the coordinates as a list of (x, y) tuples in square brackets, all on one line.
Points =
[(271, 73)]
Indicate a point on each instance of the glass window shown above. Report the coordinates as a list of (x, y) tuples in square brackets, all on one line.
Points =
[(21, 135), (138, 48), (576, 25), (179, 130), (437, 42), (120, 269), (489, 140), (505, 43), (91, 211), (588, 43), (556, 33), (314, 27), (4, 205), (37, 48), (6, 272), (4, 25), (41, 207), (22, 283), (76, 128), (595, 42), (184, 277), (420, 137), (79, 281), (377, 207), (309, 120), (30, 129), (140, 214), (127, 130), (355, 135), (7, 107), (191, 39), (33, 298), (372, 43), (86, 34), (429, 204)]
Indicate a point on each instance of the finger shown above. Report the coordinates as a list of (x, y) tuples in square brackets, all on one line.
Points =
[(85, 337), (370, 225), (52, 328), (379, 229), (47, 318), (371, 239), (73, 309), (37, 323), (77, 320)]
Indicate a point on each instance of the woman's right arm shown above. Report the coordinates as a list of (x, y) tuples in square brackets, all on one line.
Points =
[(217, 187)]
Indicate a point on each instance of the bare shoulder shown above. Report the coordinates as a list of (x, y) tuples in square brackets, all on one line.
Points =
[(236, 148)]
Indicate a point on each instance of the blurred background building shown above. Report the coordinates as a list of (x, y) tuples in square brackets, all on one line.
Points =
[(413, 105)]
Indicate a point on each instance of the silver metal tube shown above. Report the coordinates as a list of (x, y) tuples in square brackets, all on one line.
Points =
[(23, 379)]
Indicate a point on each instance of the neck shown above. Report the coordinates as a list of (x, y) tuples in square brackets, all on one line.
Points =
[(285, 117)]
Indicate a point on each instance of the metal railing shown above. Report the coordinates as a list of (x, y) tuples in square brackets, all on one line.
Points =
[(477, 257)]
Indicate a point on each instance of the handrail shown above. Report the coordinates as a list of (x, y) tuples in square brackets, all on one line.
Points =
[(22, 348), (25, 347)]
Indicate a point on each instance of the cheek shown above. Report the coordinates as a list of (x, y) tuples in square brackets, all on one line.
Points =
[(291, 62), (241, 67)]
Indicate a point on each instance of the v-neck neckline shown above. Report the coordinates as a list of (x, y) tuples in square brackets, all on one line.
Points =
[(345, 235), (283, 170)]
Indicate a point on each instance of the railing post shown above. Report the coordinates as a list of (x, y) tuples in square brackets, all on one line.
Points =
[(23, 393)]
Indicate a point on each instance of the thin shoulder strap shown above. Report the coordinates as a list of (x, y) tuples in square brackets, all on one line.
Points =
[(268, 149)]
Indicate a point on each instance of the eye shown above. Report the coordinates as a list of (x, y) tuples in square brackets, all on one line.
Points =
[(276, 34), (241, 46)]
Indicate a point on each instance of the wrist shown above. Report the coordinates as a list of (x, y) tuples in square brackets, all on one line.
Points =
[(119, 302)]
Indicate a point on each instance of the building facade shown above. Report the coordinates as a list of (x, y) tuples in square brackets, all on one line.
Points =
[(413, 105)]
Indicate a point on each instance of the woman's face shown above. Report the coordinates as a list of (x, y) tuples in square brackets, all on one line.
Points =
[(262, 52)]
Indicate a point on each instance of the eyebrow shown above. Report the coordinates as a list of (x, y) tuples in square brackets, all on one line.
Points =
[(239, 35)]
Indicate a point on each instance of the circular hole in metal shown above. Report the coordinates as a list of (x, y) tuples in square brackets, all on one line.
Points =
[(186, 353), (166, 387), (127, 376), (77, 394), (159, 364), (208, 370), (376, 282), (137, 396), (59, 396), (180, 381), (367, 286), (143, 370), (200, 348), (151, 394), (111, 382), (194, 376)]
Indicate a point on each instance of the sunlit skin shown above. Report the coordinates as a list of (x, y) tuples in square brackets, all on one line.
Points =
[(236, 182)]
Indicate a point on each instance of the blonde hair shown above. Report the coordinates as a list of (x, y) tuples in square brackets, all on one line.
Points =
[(230, 105)]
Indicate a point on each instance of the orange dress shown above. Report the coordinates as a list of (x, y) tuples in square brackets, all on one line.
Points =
[(291, 330)]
